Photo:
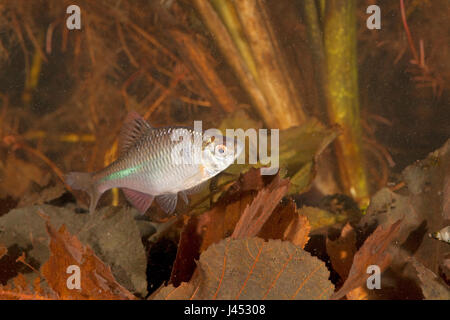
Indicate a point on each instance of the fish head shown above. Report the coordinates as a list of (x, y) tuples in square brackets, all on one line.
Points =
[(219, 152)]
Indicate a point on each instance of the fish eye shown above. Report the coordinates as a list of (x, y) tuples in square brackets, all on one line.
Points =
[(221, 149)]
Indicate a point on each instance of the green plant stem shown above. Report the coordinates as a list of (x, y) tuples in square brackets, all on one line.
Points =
[(342, 94)]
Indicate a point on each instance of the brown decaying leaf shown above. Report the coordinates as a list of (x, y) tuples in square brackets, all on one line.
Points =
[(250, 181), (19, 289), (200, 232), (372, 252), (444, 270), (214, 225), (219, 222), (248, 215), (3, 251), (256, 214), (188, 252), (359, 293), (423, 206), (252, 268), (298, 231), (286, 223), (432, 287), (342, 250), (97, 281), (106, 231)]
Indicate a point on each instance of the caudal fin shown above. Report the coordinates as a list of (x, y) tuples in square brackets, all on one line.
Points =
[(85, 182)]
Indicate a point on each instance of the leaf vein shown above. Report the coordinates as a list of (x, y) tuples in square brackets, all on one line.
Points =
[(251, 270)]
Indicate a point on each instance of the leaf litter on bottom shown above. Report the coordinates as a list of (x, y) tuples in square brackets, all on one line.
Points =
[(253, 268)]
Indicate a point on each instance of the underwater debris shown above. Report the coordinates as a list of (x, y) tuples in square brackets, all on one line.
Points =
[(443, 234)]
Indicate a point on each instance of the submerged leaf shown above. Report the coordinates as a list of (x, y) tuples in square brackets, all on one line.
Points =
[(372, 252), (444, 270), (298, 231), (287, 224), (342, 250), (20, 289), (319, 218), (256, 214), (432, 287), (111, 232), (422, 206), (188, 252), (250, 207), (213, 225), (254, 269), (300, 148), (218, 223), (359, 293), (3, 251), (97, 281), (303, 178)]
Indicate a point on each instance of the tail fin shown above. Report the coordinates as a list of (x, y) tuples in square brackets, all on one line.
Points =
[(84, 181)]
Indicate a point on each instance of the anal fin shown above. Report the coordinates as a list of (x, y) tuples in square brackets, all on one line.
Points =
[(141, 201), (167, 202)]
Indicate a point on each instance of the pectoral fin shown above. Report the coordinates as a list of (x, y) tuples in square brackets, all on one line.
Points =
[(167, 202), (141, 201)]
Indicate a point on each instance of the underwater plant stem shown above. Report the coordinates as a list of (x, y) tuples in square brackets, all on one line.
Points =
[(321, 4), (228, 14), (243, 32), (315, 39), (342, 95), (273, 77), (240, 64)]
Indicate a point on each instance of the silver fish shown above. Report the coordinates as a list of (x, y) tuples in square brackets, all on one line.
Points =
[(158, 163)]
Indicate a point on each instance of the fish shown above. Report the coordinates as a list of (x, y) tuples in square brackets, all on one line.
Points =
[(158, 164)]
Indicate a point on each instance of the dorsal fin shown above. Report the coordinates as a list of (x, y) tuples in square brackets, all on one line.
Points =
[(133, 128)]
